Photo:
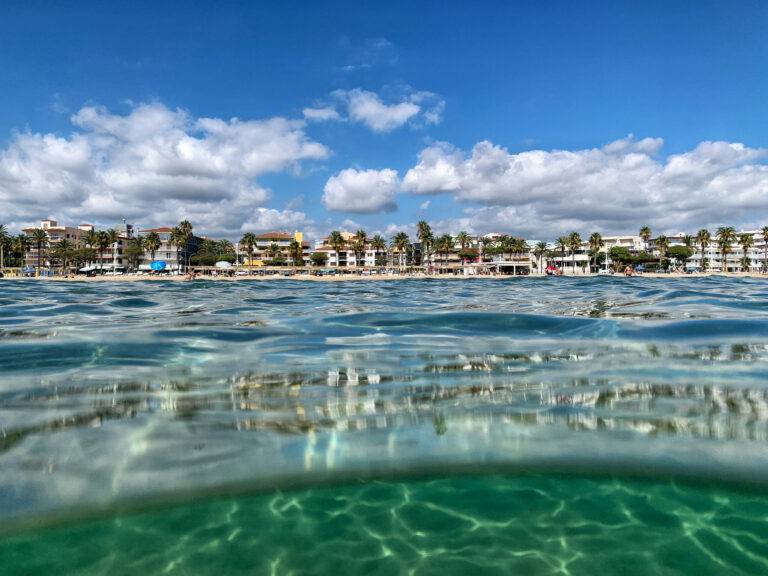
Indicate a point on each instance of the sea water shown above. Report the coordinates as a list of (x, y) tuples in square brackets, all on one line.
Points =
[(522, 425)]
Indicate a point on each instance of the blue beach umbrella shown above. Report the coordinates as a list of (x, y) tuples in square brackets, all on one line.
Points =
[(158, 265)]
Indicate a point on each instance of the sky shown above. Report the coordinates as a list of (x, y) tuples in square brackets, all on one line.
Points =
[(528, 118)]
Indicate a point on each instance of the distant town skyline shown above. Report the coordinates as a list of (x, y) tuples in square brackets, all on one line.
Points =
[(486, 117)]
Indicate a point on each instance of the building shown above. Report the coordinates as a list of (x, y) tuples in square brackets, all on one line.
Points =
[(270, 242), (370, 256), (55, 234), (175, 257)]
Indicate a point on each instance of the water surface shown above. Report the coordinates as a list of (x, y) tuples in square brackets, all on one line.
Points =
[(123, 396)]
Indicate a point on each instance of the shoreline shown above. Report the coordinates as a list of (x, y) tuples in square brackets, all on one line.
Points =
[(371, 277)]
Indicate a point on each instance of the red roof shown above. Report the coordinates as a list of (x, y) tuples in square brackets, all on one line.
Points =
[(274, 236), (161, 229)]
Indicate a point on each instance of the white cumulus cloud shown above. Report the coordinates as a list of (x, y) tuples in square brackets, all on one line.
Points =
[(362, 191), (153, 166), (369, 109), (617, 187)]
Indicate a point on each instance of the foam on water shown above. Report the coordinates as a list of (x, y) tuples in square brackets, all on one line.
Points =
[(116, 395)]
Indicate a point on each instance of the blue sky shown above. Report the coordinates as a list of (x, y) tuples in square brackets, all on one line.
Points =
[(472, 115)]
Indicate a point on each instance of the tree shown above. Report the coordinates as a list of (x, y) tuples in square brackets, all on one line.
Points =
[(703, 239), (562, 245), (318, 258), (539, 251), (764, 233), (296, 252), (746, 241), (645, 234), (681, 253), (620, 256), (178, 239), (424, 233), (134, 251), (726, 235), (91, 238), (273, 251), (463, 239), (595, 243), (359, 242), (3, 240), (379, 245), (401, 244), (185, 226), (337, 243), (152, 243), (39, 238), (248, 242), (574, 243), (62, 252), (102, 243), (444, 245), (113, 237), (662, 244), (20, 245)]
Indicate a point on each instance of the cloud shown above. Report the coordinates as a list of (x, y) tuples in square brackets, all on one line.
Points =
[(415, 108), (323, 114), (614, 188), (362, 191), (269, 220), (153, 165)]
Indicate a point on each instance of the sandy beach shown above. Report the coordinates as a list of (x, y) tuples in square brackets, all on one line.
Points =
[(359, 277)]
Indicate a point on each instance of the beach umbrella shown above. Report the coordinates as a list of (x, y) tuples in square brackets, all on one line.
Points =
[(223, 264), (158, 265)]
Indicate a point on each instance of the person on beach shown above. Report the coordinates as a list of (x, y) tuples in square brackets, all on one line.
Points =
[(629, 271)]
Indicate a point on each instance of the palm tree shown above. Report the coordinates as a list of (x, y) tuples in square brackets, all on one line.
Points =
[(113, 237), (726, 235), (62, 251), (539, 250), (444, 245), (645, 234), (296, 252), (379, 245), (186, 230), (424, 233), (151, 243), (359, 242), (764, 233), (662, 243), (178, 239), (3, 239), (574, 243), (703, 238), (20, 246), (248, 242), (746, 240), (273, 251), (39, 238), (463, 239), (562, 246), (401, 244), (337, 242), (102, 243), (91, 238), (595, 243)]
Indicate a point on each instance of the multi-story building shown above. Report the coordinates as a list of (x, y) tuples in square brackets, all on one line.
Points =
[(55, 234), (174, 256), (713, 257), (268, 242)]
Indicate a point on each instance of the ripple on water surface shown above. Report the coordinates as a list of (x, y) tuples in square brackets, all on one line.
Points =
[(113, 393)]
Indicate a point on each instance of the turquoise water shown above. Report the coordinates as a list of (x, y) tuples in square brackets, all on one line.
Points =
[(532, 426)]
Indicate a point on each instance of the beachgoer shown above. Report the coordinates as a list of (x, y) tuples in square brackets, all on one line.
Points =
[(628, 271)]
